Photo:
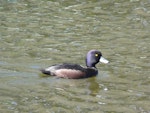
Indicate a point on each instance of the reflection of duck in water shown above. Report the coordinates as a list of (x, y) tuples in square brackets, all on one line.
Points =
[(75, 71)]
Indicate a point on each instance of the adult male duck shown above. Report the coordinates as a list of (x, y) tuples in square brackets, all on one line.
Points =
[(75, 71)]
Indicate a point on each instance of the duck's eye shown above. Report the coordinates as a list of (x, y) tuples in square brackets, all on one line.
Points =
[(96, 54)]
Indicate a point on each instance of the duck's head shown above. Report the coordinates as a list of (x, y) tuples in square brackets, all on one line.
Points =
[(93, 57)]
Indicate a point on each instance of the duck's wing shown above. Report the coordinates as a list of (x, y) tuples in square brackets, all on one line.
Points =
[(70, 66)]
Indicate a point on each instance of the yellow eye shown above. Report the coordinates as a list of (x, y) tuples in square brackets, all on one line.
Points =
[(96, 54)]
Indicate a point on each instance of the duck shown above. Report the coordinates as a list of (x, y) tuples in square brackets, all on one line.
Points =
[(76, 71)]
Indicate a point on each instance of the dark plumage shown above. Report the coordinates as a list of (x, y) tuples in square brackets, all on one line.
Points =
[(75, 71)]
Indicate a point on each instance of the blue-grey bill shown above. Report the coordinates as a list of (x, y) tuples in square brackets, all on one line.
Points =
[(103, 60)]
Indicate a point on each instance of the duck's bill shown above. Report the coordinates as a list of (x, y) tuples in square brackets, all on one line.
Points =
[(103, 60)]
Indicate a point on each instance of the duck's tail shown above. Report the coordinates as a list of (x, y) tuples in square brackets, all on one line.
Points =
[(45, 72)]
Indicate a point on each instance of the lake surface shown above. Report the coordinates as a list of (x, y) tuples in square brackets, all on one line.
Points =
[(36, 34)]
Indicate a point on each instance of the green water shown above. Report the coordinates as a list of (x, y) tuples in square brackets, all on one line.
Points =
[(35, 34)]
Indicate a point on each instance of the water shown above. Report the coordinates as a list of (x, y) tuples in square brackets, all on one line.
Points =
[(35, 34)]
